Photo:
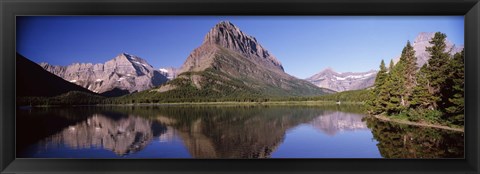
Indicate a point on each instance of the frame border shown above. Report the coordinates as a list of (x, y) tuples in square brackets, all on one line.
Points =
[(12, 8)]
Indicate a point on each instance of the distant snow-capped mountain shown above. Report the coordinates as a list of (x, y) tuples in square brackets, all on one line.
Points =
[(347, 81), (122, 75), (330, 79)]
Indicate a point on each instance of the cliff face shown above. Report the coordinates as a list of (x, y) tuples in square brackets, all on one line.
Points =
[(123, 73), (230, 62), (228, 36)]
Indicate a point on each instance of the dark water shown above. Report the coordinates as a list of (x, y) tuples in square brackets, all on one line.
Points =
[(224, 132)]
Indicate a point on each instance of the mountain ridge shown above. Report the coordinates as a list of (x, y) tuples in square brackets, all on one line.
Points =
[(329, 78), (343, 81), (231, 37), (123, 74), (29, 75), (232, 63)]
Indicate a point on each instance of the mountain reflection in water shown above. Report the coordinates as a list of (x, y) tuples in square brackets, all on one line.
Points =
[(333, 122), (190, 132), (126, 135)]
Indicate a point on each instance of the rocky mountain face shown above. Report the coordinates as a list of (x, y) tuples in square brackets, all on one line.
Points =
[(422, 42), (228, 36), (347, 81), (231, 62), (122, 75), (169, 72)]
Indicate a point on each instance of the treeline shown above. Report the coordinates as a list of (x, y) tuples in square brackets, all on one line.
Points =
[(434, 92), (359, 96), (186, 92), (346, 96), (214, 88), (69, 98), (194, 95)]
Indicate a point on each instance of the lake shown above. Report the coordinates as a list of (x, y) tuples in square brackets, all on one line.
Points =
[(210, 131)]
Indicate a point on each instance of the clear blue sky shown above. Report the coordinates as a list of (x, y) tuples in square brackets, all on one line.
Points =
[(304, 44)]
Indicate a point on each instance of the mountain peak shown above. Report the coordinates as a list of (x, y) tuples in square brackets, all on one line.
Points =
[(127, 56), (231, 63), (328, 69), (122, 57), (225, 23), (132, 59), (424, 37), (343, 81), (223, 32), (225, 36), (125, 72)]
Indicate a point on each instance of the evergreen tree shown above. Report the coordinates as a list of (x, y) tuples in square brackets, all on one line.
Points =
[(409, 68), (422, 97), (395, 88), (455, 105), (438, 68), (434, 92), (381, 75), (379, 97)]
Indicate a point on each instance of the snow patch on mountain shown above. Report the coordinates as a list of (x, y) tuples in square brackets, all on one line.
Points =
[(169, 72), (336, 81)]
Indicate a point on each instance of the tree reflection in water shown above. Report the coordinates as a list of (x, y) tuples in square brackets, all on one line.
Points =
[(403, 141), (217, 131)]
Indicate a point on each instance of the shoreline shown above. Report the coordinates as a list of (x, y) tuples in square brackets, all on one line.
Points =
[(307, 103), (384, 118), (272, 103)]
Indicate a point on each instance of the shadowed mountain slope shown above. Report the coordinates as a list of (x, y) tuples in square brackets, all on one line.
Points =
[(33, 80)]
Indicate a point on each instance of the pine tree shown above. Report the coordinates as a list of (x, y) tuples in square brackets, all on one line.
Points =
[(408, 71), (455, 105), (394, 87), (422, 97), (379, 96), (438, 68)]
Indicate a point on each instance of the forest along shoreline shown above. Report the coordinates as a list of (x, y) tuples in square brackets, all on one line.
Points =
[(430, 95), (226, 103), (270, 103)]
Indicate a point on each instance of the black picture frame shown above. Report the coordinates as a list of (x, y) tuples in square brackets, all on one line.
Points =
[(11, 8)]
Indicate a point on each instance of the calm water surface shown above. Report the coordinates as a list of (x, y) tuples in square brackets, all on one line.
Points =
[(224, 132)]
